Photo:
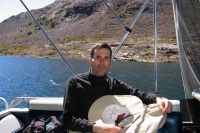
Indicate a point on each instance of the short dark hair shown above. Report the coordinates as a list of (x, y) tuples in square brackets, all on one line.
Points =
[(99, 46)]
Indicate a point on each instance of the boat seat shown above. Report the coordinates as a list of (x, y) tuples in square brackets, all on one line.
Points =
[(46, 108), (10, 124), (173, 122), (46, 104)]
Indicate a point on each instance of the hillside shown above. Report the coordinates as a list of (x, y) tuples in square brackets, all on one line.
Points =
[(76, 25)]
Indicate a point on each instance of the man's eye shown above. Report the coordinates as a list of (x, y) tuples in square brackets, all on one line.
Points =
[(98, 57), (107, 58)]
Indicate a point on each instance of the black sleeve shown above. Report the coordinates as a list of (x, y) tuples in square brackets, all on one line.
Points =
[(71, 121), (124, 89), (146, 97)]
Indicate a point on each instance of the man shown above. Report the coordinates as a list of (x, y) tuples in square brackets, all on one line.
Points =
[(84, 89)]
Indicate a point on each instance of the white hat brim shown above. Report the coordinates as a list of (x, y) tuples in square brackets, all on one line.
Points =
[(132, 103)]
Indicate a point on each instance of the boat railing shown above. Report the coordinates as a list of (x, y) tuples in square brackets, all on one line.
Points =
[(196, 94), (5, 102)]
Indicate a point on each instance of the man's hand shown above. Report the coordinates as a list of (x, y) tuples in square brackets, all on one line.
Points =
[(106, 128), (164, 105)]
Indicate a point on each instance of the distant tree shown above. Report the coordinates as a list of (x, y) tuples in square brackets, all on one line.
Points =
[(29, 33), (30, 23), (53, 24)]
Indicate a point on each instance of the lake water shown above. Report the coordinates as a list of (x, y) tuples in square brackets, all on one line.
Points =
[(43, 77)]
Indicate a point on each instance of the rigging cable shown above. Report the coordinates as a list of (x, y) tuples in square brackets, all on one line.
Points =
[(49, 38), (131, 27), (155, 47), (118, 18)]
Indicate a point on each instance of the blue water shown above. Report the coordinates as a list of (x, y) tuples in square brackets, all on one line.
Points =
[(43, 77)]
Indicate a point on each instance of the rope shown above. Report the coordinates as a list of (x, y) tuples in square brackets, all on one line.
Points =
[(49, 38)]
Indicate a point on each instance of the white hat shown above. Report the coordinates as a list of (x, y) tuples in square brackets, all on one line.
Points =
[(142, 118), (107, 108)]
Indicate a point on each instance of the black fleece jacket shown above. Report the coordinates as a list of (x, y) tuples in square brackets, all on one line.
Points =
[(82, 90)]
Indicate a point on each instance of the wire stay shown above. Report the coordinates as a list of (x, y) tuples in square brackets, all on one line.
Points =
[(131, 27), (48, 37)]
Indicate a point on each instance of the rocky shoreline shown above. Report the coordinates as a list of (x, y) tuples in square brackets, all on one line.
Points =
[(143, 53)]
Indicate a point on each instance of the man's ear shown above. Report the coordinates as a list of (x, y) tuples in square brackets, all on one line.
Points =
[(110, 62), (90, 60)]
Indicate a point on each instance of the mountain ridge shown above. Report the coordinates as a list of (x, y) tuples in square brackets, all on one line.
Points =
[(76, 25)]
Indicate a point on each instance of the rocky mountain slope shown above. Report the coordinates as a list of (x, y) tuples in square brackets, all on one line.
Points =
[(76, 25)]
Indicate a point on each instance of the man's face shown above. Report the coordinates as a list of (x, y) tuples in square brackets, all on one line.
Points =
[(100, 62)]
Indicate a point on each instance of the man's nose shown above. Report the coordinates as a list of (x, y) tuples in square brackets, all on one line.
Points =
[(102, 61)]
